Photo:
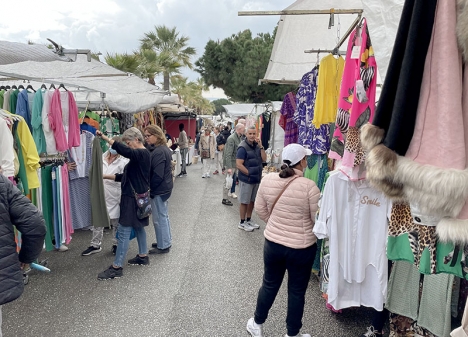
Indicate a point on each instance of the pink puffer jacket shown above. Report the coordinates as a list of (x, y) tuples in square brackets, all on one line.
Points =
[(293, 217)]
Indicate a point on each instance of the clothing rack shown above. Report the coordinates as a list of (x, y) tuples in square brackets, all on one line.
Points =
[(332, 51)]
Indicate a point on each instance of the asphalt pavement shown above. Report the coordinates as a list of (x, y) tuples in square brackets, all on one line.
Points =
[(206, 286)]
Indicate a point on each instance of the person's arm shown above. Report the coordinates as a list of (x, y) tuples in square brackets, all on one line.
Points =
[(28, 220), (158, 163), (118, 177), (109, 176), (240, 159), (262, 150)]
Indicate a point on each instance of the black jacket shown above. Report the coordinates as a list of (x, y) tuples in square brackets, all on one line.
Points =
[(222, 137), (161, 170), (16, 209)]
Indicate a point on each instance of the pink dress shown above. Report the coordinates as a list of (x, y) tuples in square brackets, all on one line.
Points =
[(353, 114)]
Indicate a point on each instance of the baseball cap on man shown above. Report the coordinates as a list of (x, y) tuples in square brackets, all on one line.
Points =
[(294, 153)]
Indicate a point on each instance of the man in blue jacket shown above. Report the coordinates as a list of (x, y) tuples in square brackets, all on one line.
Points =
[(250, 158), (17, 210)]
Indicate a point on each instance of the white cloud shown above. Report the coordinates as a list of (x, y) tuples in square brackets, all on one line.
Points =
[(117, 25)]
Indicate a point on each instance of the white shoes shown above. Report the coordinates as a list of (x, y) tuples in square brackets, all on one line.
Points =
[(255, 330), (253, 224), (232, 195), (245, 226)]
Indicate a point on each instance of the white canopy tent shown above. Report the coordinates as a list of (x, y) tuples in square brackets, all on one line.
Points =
[(298, 33), (124, 92)]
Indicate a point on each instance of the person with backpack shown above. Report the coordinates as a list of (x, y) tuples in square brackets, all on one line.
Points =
[(221, 139)]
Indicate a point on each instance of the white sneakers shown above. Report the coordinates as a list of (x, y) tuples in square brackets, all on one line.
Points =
[(253, 224), (255, 330), (232, 195), (245, 226)]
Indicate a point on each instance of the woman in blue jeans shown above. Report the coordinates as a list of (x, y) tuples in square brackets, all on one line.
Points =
[(135, 177), (161, 187)]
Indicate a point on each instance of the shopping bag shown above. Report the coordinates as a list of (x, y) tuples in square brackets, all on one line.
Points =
[(228, 181)]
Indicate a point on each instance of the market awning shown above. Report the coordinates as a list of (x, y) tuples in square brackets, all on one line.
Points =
[(238, 110), (297, 33), (123, 92)]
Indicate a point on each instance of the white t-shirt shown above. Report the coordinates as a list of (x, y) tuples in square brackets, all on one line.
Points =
[(51, 146), (354, 216), (7, 152), (112, 188)]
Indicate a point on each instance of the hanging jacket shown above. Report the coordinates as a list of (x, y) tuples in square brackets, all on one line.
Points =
[(99, 214), (22, 107), (17, 210), (253, 163)]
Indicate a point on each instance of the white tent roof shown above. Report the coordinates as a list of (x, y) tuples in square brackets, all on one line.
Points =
[(297, 33), (238, 110), (124, 93)]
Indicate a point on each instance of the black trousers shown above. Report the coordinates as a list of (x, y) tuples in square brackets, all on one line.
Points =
[(298, 262)]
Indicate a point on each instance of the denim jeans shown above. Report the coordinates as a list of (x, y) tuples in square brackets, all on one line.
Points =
[(162, 225), (234, 178), (123, 242), (183, 155), (298, 262), (98, 234)]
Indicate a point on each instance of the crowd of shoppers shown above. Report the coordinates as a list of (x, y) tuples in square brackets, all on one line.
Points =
[(138, 167)]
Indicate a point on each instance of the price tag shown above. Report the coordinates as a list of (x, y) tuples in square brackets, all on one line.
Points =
[(355, 53)]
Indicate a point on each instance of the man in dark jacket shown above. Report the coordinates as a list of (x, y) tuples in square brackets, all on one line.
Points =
[(17, 210), (250, 158), (161, 187)]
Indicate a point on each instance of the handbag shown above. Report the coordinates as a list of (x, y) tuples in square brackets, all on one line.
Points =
[(279, 196), (205, 154), (143, 202)]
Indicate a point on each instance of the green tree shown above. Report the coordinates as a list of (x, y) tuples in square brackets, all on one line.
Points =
[(176, 54), (218, 105), (125, 62), (235, 64), (191, 94)]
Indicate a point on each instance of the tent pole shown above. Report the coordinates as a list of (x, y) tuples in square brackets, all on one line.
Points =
[(302, 12)]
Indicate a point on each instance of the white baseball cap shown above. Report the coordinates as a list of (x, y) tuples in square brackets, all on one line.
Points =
[(294, 153)]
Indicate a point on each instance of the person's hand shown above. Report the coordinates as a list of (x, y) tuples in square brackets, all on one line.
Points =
[(229, 171), (98, 133), (259, 142), (24, 266), (71, 166)]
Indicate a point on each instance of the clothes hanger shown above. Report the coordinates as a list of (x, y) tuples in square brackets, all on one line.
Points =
[(52, 86), (30, 87), (62, 86), (2, 87), (14, 87), (43, 86), (20, 86), (7, 87)]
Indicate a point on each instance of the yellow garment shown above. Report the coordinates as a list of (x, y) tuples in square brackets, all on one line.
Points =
[(329, 83), (30, 155)]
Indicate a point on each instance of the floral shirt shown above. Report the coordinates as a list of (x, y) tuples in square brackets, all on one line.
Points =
[(286, 122), (317, 140)]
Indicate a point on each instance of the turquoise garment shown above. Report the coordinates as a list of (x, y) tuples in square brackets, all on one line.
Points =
[(317, 168), (47, 206), (2, 92), (13, 100), (36, 122)]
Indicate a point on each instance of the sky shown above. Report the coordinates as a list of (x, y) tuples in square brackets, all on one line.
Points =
[(110, 26)]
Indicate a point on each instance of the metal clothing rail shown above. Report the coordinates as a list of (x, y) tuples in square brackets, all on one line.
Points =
[(333, 51), (302, 12)]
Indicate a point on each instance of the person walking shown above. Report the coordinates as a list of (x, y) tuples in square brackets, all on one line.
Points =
[(183, 146), (17, 211), (218, 160), (112, 163), (229, 162), (287, 202), (221, 140), (135, 180), (161, 187), (249, 161), (208, 151)]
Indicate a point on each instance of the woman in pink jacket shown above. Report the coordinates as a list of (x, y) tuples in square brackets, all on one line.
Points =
[(287, 202)]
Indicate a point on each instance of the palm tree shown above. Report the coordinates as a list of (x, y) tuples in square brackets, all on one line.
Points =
[(177, 54), (124, 62)]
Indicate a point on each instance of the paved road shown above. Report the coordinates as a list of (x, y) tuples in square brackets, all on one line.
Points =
[(206, 286)]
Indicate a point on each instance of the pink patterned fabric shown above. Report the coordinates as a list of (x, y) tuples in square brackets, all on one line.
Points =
[(74, 126), (56, 122), (288, 108), (66, 204), (352, 114)]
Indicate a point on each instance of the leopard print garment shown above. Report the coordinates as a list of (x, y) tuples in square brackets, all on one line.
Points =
[(420, 236), (353, 145)]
